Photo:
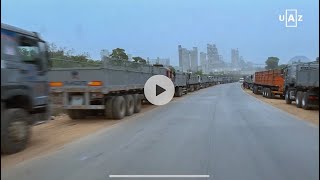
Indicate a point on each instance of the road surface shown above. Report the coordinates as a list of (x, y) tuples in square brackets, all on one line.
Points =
[(220, 132)]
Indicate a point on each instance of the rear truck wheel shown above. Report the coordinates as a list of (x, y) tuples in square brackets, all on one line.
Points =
[(304, 101), (118, 107), (269, 93), (129, 104), (266, 95), (191, 88), (287, 97), (264, 92), (137, 103), (15, 130), (108, 107), (298, 99), (186, 90), (178, 92), (76, 113)]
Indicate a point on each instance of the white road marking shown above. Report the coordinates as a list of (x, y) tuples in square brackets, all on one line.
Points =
[(159, 176)]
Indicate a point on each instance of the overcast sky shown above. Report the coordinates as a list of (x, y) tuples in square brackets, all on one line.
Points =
[(155, 28)]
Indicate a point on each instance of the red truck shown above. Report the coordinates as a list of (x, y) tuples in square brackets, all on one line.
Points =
[(269, 83)]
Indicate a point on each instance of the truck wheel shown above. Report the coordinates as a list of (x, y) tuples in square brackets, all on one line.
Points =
[(76, 113), (191, 88), (108, 107), (254, 89), (298, 99), (178, 92), (287, 97), (264, 92), (269, 93), (118, 107), (137, 103), (129, 104), (15, 130), (304, 101)]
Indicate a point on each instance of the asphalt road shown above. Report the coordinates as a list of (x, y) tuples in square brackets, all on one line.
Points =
[(219, 131)]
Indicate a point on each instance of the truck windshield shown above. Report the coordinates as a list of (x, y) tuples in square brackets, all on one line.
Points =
[(28, 50)]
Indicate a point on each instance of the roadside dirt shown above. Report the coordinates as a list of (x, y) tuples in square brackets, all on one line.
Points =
[(308, 115), (54, 134)]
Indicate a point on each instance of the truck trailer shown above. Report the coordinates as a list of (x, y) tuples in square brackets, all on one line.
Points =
[(268, 83), (302, 85), (114, 87)]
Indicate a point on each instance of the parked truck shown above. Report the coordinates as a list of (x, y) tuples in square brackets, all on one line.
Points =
[(180, 82), (302, 85), (24, 86), (193, 82), (115, 87), (268, 83), (248, 82)]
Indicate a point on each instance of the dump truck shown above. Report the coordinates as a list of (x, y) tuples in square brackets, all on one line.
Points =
[(114, 87), (302, 84), (268, 83), (24, 86)]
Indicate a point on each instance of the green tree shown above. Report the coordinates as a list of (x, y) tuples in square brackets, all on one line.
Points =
[(199, 72), (119, 53), (282, 66), (63, 57), (272, 63), (139, 60)]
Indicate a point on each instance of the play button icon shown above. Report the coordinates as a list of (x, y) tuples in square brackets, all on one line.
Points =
[(159, 90)]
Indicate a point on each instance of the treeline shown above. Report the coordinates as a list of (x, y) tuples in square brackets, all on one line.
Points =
[(64, 57)]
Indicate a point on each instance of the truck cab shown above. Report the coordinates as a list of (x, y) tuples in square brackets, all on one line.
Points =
[(24, 85), (302, 84)]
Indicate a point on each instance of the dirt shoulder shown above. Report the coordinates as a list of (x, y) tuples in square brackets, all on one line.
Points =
[(54, 134), (308, 115)]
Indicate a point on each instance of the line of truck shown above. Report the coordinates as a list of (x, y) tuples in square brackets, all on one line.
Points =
[(116, 87), (28, 76), (297, 82)]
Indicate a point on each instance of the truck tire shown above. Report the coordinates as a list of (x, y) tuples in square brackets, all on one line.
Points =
[(118, 107), (264, 92), (108, 107), (254, 89), (137, 103), (304, 101), (287, 98), (76, 113), (191, 88), (15, 130), (269, 93), (298, 99), (129, 104), (178, 92)]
